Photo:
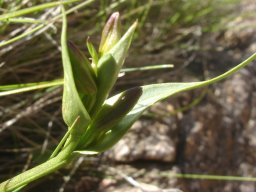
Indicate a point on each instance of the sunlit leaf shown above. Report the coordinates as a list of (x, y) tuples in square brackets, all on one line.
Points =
[(72, 105), (109, 115), (109, 66), (150, 95)]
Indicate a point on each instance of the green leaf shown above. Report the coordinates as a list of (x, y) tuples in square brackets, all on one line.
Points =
[(84, 76), (113, 112), (147, 68), (93, 52), (109, 115), (150, 95), (106, 80), (72, 105), (109, 66), (119, 51), (82, 70)]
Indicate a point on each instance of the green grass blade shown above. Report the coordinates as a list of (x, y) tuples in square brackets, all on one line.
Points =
[(146, 68), (33, 9), (209, 177), (63, 140), (12, 40), (20, 88), (37, 28), (26, 20)]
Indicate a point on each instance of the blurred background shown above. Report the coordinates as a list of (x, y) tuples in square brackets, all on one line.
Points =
[(208, 131)]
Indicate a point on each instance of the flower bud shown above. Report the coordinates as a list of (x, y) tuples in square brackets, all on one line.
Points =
[(109, 66), (108, 118), (110, 34)]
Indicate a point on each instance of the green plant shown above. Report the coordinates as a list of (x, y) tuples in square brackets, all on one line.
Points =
[(96, 122)]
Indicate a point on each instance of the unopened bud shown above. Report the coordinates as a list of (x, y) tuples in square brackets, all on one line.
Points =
[(110, 34)]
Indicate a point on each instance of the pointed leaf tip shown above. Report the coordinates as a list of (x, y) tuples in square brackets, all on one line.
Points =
[(93, 53)]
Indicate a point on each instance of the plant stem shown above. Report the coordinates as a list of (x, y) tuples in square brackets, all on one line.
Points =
[(64, 157), (33, 174)]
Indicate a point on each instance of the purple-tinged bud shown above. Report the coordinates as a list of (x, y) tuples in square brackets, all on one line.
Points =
[(110, 34)]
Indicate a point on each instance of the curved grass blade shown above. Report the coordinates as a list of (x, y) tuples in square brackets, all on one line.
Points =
[(209, 177), (18, 37), (43, 26), (33, 9), (26, 20), (147, 68), (20, 88)]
